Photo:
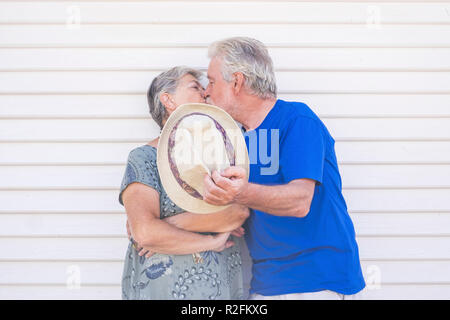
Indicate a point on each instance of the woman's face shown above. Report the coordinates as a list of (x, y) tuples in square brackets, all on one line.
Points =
[(189, 90)]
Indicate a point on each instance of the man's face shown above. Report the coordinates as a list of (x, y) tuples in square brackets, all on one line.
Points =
[(219, 92)]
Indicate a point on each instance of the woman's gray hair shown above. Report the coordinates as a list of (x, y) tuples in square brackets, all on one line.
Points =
[(166, 82), (251, 58)]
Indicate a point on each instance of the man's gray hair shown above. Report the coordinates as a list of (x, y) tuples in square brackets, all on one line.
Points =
[(166, 82), (251, 58)]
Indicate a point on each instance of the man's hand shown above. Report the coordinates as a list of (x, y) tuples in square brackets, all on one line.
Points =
[(225, 188)]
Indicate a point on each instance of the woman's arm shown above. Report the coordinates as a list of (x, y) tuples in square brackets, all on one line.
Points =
[(150, 232), (226, 220)]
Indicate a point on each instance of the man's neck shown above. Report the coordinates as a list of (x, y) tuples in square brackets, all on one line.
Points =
[(255, 111)]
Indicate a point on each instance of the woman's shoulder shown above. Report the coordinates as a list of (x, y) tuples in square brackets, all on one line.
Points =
[(142, 153), (143, 162), (141, 167)]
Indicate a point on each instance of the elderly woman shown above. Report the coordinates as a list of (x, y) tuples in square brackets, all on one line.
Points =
[(174, 254)]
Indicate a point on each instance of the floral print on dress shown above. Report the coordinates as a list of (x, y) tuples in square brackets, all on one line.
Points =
[(201, 274), (159, 267), (209, 256)]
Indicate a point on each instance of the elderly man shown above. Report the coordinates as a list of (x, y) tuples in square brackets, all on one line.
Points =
[(299, 234)]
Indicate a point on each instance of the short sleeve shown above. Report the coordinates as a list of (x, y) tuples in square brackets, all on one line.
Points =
[(141, 167), (302, 151)]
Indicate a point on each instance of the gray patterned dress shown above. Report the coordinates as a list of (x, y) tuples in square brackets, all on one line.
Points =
[(207, 275)]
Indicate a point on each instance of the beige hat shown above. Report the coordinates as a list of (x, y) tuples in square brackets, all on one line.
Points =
[(197, 139)]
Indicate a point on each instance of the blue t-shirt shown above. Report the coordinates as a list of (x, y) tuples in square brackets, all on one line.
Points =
[(290, 254)]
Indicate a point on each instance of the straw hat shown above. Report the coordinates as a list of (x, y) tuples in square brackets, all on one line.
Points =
[(196, 139)]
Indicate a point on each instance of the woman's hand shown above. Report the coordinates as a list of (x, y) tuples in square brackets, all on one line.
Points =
[(146, 252), (239, 232)]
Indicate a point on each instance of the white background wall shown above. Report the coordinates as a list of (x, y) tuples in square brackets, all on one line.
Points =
[(73, 77)]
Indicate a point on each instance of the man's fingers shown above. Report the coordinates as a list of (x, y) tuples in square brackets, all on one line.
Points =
[(221, 181), (212, 199), (211, 188), (234, 171)]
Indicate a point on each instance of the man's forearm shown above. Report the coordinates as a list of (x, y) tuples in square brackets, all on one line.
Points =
[(291, 199)]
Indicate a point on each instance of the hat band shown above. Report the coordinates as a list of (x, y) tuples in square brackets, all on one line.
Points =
[(173, 167)]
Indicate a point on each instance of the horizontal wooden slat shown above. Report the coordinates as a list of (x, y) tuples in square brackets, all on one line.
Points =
[(412, 291), (38, 272), (63, 248), (176, 35), (95, 225), (79, 129), (398, 272), (61, 176), (103, 153), (110, 176), (63, 224), (190, 12), (116, 153), (122, 106), (92, 273), (399, 248), (303, 59), (388, 128), (373, 248), (61, 200), (376, 105), (394, 175), (298, 82), (71, 106), (401, 224), (393, 152), (59, 292), (397, 199)]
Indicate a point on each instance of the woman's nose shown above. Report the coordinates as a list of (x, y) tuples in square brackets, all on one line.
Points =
[(206, 91), (203, 93)]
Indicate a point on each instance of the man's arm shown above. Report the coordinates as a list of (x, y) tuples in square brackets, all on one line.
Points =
[(292, 199)]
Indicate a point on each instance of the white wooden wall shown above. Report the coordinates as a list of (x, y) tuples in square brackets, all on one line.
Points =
[(73, 77)]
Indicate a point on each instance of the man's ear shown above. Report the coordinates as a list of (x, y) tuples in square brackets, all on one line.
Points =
[(238, 82), (167, 101)]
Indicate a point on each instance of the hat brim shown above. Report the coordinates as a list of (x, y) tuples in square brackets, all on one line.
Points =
[(173, 189)]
